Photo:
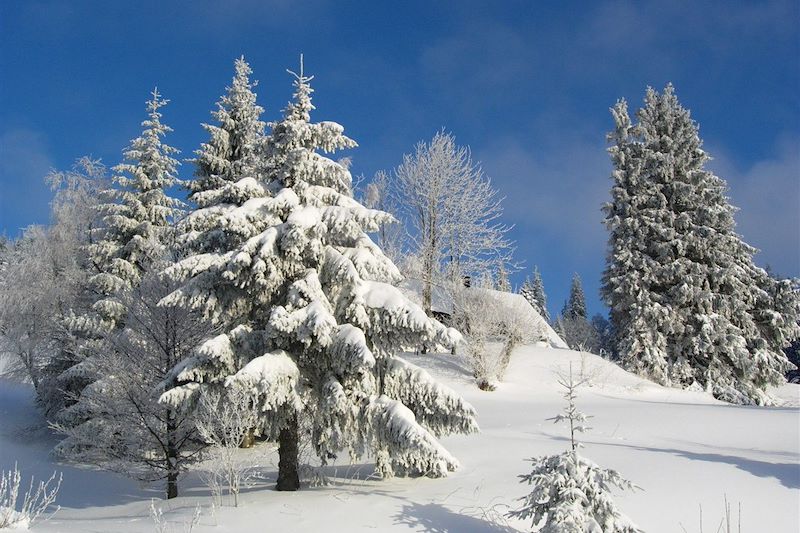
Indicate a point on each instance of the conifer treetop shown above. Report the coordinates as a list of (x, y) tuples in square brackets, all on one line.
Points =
[(234, 150), (138, 212)]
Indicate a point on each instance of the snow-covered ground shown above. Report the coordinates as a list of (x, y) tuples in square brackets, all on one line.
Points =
[(685, 449)]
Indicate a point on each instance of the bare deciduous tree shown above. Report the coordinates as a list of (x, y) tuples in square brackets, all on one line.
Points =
[(390, 234), (118, 422), (453, 214), (43, 277)]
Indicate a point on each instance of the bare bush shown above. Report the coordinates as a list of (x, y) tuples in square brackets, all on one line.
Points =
[(161, 525), (726, 524), (494, 324), (225, 421), (36, 501)]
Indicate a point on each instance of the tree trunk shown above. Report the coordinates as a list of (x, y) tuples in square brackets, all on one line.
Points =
[(427, 294), (249, 439), (383, 464), (172, 458), (288, 478), (172, 484)]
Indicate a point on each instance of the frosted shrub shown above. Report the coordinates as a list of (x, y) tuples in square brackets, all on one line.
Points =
[(161, 525), (32, 504)]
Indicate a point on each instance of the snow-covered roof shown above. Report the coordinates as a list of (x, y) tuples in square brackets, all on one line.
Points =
[(442, 302)]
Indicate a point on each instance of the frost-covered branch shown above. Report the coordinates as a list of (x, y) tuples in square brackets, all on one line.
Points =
[(453, 213), (20, 511)]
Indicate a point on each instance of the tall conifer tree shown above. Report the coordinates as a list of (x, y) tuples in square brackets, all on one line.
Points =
[(687, 302), (137, 215), (533, 291), (576, 305)]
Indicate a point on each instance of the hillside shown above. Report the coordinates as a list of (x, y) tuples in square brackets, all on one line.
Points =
[(684, 449)]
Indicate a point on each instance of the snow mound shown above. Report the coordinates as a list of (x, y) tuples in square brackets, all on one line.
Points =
[(11, 519)]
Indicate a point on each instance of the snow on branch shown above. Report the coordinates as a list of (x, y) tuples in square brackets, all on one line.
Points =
[(412, 450), (273, 379), (437, 407)]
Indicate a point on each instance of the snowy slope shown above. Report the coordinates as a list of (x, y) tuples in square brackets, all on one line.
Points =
[(684, 449)]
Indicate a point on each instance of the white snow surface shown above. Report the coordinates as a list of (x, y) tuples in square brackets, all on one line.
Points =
[(517, 301), (685, 450)]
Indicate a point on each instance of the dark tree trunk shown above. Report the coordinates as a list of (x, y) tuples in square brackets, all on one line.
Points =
[(172, 484), (172, 458), (288, 478)]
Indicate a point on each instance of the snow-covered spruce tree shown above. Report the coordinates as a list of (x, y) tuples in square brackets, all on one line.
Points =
[(311, 320), (533, 292), (640, 317), (227, 168), (570, 493), (572, 324), (604, 335), (576, 305), (526, 290), (689, 306), (539, 295), (136, 222), (138, 217)]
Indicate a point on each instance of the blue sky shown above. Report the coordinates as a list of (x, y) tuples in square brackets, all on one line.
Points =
[(526, 84)]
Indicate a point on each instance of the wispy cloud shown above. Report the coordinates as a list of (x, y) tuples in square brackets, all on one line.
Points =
[(556, 193), (23, 165), (553, 195), (767, 194)]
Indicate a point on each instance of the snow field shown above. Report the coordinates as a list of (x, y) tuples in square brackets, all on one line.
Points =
[(684, 449)]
